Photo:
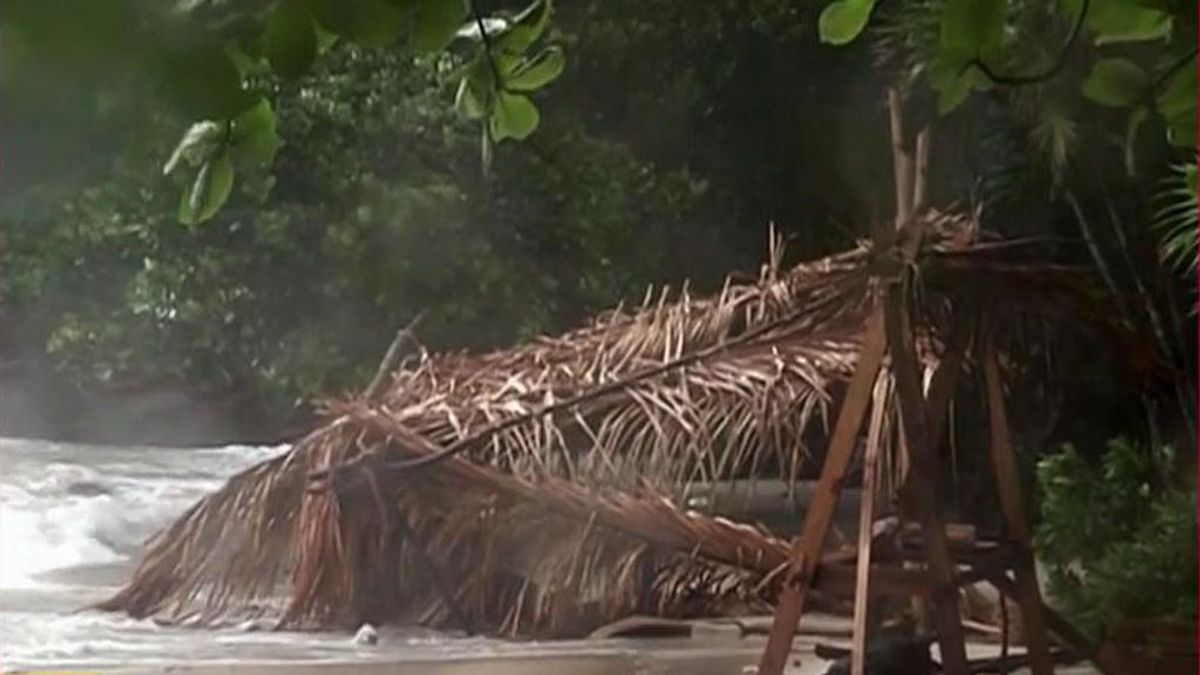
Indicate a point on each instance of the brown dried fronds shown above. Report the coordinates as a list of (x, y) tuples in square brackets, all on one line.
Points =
[(562, 510)]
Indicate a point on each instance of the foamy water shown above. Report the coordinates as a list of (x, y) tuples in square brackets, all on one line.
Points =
[(65, 505), (72, 521)]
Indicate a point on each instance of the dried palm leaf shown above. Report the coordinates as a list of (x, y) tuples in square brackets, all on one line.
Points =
[(546, 497)]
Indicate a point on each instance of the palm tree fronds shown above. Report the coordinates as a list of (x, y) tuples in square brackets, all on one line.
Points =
[(1175, 218), (563, 509)]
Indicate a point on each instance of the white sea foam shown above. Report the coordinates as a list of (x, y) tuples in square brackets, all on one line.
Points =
[(72, 519), (63, 505)]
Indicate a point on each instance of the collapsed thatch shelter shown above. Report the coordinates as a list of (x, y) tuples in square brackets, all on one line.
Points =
[(536, 490)]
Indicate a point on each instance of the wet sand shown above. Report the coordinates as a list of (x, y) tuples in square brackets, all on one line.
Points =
[(673, 657), (716, 647), (677, 659)]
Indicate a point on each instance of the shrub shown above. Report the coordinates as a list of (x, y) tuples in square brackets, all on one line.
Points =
[(1118, 538)]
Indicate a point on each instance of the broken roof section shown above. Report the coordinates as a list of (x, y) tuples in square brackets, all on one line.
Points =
[(535, 490)]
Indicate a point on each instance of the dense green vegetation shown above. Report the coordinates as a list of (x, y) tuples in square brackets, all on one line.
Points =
[(1119, 536), (375, 211), (350, 148)]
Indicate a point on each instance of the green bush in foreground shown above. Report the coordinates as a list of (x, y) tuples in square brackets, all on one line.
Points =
[(1118, 536)]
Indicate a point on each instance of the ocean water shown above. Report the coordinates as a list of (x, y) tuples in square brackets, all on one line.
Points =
[(72, 521)]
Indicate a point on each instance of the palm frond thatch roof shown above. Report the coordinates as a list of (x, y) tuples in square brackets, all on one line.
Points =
[(562, 510)]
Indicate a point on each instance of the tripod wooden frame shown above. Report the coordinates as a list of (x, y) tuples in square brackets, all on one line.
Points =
[(888, 361)]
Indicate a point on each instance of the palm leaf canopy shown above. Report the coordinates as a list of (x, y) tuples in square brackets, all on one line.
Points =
[(560, 506)]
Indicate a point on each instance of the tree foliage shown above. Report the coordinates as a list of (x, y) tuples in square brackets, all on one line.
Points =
[(1118, 534), (208, 60), (372, 213), (1135, 57), (358, 201)]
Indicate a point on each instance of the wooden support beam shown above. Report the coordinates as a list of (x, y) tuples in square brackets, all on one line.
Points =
[(920, 490), (1004, 465), (806, 549), (841, 581), (903, 162), (866, 518), (921, 170), (945, 380)]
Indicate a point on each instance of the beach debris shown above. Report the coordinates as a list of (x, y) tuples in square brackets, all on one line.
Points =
[(366, 635), (251, 625), (887, 655)]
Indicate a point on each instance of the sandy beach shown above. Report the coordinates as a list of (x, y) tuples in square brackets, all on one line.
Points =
[(666, 656)]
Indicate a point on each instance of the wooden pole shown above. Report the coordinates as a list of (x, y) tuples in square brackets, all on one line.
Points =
[(1004, 464), (903, 168), (806, 549), (921, 171), (945, 379), (866, 518), (921, 487)]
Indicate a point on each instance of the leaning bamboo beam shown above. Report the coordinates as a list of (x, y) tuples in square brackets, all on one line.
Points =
[(806, 547), (945, 380), (866, 518), (1004, 467), (921, 486)]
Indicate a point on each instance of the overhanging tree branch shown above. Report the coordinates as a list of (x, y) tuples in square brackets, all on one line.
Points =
[(1167, 74)]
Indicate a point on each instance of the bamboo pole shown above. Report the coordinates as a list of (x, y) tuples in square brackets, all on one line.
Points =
[(806, 549), (921, 487), (1004, 466), (921, 170), (866, 518), (903, 168), (945, 379)]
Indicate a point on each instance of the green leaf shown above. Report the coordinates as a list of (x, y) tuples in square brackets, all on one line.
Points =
[(1126, 21), (202, 82), (1177, 104), (973, 27), (843, 20), (370, 23), (950, 98), (434, 23), (254, 138), (1115, 82), (514, 116), (951, 76), (196, 144), (325, 37), (474, 90), (209, 191), (527, 27), (537, 72), (1131, 132), (1175, 217), (289, 39), (246, 64)]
